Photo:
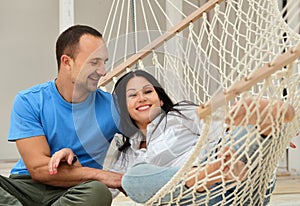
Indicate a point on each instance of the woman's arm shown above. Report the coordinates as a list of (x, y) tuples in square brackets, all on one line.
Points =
[(279, 112), (218, 171), (212, 173)]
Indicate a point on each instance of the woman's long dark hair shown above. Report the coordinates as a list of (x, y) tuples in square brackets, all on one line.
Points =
[(127, 125)]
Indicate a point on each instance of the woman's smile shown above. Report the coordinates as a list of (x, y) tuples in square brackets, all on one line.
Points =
[(143, 103), (144, 107)]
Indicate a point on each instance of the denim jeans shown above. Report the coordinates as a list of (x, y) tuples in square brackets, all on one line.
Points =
[(252, 142), (144, 180)]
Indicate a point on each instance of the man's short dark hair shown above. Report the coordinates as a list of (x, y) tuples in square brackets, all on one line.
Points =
[(68, 41)]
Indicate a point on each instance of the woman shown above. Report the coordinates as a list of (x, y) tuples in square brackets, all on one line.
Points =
[(157, 132), (159, 137)]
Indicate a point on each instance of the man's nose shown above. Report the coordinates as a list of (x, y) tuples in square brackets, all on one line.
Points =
[(101, 70)]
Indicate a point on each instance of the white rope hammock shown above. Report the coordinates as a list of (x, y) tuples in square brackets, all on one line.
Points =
[(215, 52)]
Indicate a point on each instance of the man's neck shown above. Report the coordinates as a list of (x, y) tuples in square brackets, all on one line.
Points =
[(69, 93)]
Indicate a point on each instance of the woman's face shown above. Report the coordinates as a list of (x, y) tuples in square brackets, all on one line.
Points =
[(143, 103)]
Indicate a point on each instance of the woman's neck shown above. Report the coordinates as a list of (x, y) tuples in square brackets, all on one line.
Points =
[(143, 143)]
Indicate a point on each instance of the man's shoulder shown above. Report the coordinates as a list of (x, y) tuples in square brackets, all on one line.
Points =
[(103, 94), (37, 88)]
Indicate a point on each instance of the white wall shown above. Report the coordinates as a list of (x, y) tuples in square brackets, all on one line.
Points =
[(293, 157), (28, 31)]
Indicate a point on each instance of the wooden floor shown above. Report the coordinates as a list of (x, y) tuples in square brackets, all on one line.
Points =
[(287, 190)]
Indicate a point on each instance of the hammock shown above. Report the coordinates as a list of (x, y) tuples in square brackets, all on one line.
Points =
[(216, 53)]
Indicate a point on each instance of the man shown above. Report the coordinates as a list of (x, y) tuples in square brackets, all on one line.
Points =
[(69, 111)]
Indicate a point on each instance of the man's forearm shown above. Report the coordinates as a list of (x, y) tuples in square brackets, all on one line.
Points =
[(69, 175)]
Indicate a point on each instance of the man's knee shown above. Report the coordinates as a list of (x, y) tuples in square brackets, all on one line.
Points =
[(7, 198), (92, 193), (100, 193)]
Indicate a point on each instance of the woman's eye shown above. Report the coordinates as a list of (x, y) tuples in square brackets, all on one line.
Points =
[(131, 95), (148, 91)]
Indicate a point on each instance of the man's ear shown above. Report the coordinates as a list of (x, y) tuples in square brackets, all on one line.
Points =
[(66, 61)]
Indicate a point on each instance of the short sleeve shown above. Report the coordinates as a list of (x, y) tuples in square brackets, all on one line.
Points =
[(25, 120)]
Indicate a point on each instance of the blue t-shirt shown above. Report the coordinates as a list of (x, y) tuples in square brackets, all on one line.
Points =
[(87, 127)]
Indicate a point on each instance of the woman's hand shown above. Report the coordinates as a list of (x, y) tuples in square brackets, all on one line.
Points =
[(224, 168), (233, 169), (65, 155)]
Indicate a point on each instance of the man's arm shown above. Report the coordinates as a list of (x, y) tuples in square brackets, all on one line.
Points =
[(35, 153)]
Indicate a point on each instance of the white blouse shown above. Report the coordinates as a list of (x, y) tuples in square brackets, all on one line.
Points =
[(169, 142)]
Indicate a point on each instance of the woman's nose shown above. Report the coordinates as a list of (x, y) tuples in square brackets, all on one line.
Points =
[(141, 97)]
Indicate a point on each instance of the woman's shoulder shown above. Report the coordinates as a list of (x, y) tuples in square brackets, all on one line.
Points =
[(184, 108), (184, 113)]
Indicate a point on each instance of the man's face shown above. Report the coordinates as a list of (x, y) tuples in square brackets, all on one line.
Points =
[(89, 63)]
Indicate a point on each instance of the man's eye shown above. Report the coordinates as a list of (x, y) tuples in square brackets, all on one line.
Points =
[(93, 63)]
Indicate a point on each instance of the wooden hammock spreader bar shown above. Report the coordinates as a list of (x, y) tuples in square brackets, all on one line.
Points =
[(158, 41), (246, 83)]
